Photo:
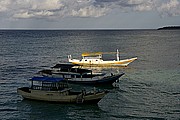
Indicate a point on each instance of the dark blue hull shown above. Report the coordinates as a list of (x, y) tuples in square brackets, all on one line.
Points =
[(106, 80)]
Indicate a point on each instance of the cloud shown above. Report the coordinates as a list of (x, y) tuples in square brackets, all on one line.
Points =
[(36, 14), (170, 8), (53, 9), (4, 5), (89, 11)]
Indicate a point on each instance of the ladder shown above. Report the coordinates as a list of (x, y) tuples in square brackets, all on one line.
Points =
[(80, 98)]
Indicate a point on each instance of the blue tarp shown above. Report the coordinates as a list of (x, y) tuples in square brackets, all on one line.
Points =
[(46, 79)]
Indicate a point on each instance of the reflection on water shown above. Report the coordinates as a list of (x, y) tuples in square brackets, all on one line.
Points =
[(45, 110)]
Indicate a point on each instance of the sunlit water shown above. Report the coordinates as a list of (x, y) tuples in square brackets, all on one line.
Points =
[(150, 88)]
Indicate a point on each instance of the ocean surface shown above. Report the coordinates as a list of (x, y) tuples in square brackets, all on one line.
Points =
[(149, 90)]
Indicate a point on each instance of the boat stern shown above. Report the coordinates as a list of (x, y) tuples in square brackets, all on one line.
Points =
[(74, 61), (94, 97)]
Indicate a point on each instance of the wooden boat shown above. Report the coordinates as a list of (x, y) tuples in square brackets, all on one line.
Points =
[(53, 90), (79, 75), (95, 59)]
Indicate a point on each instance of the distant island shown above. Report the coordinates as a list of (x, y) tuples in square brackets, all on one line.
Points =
[(170, 28)]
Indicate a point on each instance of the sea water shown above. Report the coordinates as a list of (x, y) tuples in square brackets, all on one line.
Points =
[(150, 88)]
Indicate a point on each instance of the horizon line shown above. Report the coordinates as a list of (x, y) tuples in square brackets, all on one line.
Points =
[(78, 28)]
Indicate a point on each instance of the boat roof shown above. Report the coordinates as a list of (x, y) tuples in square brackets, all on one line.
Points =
[(46, 79), (91, 54), (65, 65), (69, 68), (95, 53)]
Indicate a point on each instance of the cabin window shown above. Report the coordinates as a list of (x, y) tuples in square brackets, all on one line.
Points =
[(67, 76), (85, 60), (96, 60)]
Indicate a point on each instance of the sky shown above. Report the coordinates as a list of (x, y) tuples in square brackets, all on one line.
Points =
[(89, 14)]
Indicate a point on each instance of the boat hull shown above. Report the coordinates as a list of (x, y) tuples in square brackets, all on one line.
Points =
[(60, 96), (103, 81), (121, 63), (96, 81)]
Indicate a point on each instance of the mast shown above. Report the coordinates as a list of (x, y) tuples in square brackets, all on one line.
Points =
[(117, 55)]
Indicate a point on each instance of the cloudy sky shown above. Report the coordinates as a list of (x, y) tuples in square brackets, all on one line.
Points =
[(88, 14)]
